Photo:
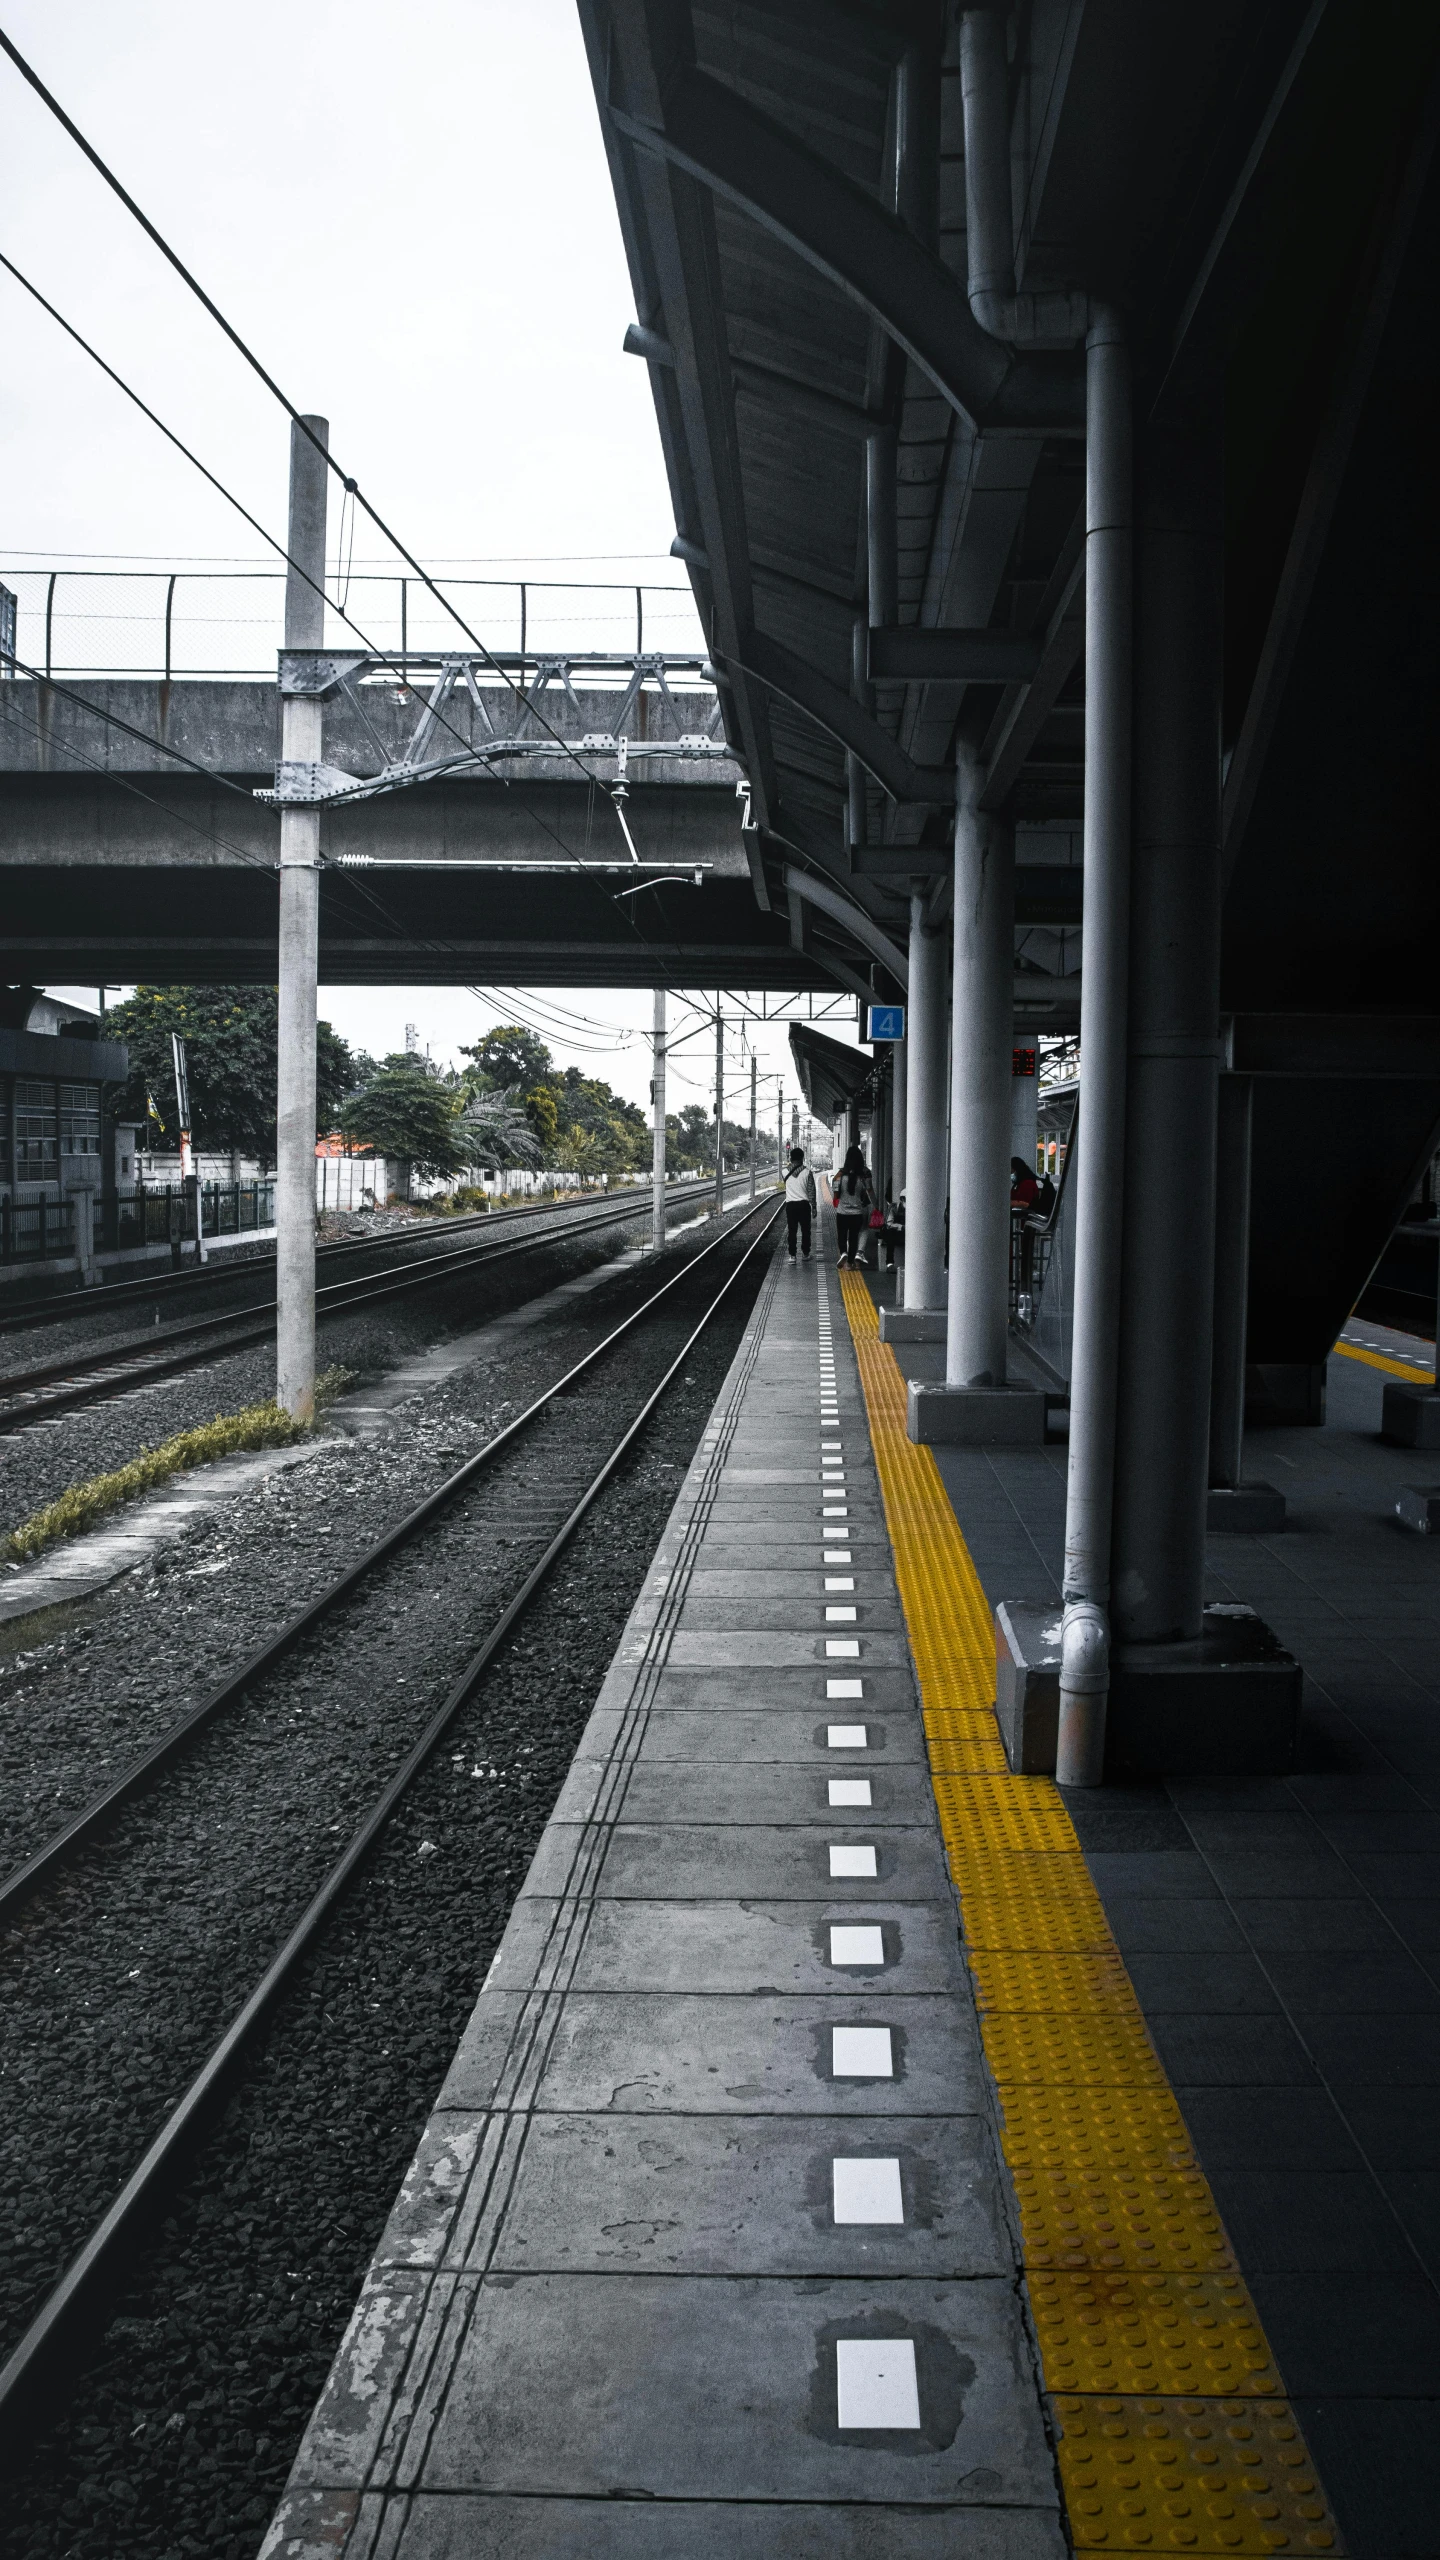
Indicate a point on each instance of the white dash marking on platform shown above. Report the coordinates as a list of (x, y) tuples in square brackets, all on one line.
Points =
[(852, 1861), (876, 2382), (854, 1944), (844, 1688), (850, 1791), (848, 1737), (861, 2053), (867, 2191)]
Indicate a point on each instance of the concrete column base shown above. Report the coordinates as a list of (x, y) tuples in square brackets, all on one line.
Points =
[(1419, 1507), (975, 1417), (1410, 1415), (912, 1324), (1027, 1683), (1225, 1703), (1253, 1508)]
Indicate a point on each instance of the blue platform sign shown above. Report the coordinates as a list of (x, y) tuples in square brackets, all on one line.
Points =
[(887, 1022)]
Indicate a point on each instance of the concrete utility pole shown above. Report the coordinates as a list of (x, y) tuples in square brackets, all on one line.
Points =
[(719, 1110), (754, 1078), (657, 1091), (299, 946), (780, 1135)]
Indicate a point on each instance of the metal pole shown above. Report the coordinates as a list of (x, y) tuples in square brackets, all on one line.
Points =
[(169, 619), (1100, 1172), (719, 1110), (1162, 1434), (300, 732), (754, 1096), (657, 1160), (925, 1026), (780, 1135), (899, 1111), (980, 1086)]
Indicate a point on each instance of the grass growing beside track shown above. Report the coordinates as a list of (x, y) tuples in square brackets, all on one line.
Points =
[(255, 1426)]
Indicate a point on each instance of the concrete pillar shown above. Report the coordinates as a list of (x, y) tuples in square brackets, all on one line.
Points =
[(300, 729), (1162, 1448), (1024, 1102), (899, 1111), (1232, 1279), (754, 1102), (657, 1147), (983, 983), (927, 1061)]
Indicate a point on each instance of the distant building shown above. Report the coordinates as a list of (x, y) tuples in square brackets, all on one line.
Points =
[(59, 1160)]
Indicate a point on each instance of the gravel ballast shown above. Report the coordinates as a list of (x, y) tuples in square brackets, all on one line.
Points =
[(41, 1462), (181, 2441)]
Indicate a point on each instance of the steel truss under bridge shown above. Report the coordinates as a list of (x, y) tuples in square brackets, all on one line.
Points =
[(455, 679)]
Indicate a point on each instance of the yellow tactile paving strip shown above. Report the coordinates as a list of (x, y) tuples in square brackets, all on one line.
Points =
[(1392, 1368), (1173, 2430)]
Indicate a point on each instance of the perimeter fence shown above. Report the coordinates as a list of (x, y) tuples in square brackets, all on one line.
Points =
[(204, 622)]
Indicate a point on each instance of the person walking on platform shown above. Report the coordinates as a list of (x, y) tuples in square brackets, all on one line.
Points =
[(799, 1203), (854, 1200)]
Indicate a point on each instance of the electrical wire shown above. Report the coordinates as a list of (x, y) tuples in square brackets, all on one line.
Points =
[(384, 657), (67, 693), (297, 419), (346, 479)]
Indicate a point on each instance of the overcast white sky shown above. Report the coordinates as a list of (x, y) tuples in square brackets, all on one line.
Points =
[(408, 215)]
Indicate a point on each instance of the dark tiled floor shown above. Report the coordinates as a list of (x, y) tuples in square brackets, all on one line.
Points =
[(1283, 1936)]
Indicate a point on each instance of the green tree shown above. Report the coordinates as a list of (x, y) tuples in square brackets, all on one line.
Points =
[(510, 1055), (619, 1129), (406, 1110), (496, 1131), (544, 1119), (230, 1036)]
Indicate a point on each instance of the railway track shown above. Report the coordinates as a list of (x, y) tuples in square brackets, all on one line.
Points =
[(29, 1397), (514, 1506), (162, 1287)]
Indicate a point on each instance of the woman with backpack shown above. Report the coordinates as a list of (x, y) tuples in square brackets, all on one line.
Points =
[(854, 1199)]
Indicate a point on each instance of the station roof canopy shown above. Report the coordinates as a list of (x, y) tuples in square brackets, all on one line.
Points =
[(831, 1076), (1251, 182)]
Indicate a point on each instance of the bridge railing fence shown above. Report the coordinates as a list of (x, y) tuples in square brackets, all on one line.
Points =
[(205, 622)]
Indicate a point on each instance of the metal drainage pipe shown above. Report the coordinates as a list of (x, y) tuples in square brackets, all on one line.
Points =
[(1061, 320)]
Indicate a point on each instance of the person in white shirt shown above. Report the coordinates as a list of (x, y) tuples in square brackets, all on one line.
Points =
[(799, 1203)]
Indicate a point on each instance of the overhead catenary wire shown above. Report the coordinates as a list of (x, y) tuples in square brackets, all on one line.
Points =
[(386, 658), (332, 465), (296, 417)]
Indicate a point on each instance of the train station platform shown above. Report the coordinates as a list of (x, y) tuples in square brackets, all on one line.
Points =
[(831, 2164), (708, 2246)]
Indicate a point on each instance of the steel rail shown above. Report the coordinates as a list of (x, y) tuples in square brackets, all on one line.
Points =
[(52, 2332), (131, 1781), (93, 1376)]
